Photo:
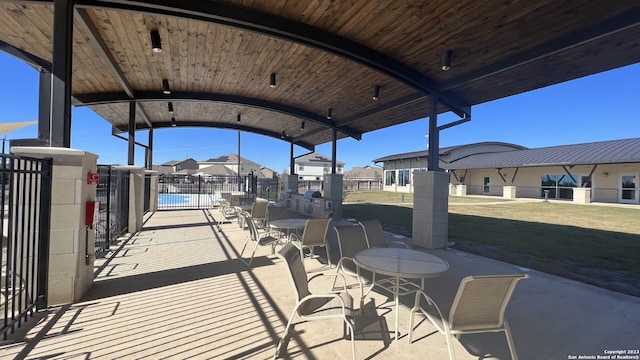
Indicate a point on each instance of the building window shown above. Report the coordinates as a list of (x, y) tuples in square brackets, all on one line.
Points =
[(559, 186), (404, 177), (389, 177), (300, 167)]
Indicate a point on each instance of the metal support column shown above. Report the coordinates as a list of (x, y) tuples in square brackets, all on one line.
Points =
[(132, 133), (44, 107), (149, 151), (60, 119), (434, 136), (292, 163), (334, 147)]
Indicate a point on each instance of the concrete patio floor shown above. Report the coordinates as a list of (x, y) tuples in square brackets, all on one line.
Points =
[(177, 290)]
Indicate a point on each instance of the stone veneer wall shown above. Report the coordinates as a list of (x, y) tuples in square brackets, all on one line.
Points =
[(72, 244)]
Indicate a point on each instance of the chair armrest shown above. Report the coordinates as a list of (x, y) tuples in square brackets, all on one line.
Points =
[(344, 280), (439, 325)]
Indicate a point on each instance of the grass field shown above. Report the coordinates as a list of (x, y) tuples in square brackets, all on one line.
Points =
[(594, 244)]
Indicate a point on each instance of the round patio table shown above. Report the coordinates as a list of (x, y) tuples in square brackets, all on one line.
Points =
[(400, 264), (288, 225)]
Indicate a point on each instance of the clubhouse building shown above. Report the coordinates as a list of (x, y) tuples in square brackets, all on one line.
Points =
[(605, 171)]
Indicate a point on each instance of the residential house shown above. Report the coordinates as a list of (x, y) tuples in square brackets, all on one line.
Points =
[(314, 166)]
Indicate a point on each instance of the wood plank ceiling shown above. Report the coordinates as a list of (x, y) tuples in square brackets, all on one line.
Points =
[(218, 57)]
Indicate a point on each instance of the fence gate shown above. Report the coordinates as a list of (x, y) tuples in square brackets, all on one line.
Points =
[(113, 194), (25, 208), (181, 192)]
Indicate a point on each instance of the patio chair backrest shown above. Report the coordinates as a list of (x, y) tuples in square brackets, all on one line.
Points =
[(374, 233), (315, 232), (481, 301), (351, 240), (248, 220), (259, 208), (291, 255), (277, 213)]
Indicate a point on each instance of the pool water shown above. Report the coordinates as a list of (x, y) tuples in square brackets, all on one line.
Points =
[(164, 199)]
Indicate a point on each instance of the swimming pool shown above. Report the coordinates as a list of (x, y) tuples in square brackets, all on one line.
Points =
[(185, 201)]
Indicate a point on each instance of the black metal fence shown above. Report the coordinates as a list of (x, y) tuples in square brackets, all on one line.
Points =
[(178, 192), (113, 194), (26, 215)]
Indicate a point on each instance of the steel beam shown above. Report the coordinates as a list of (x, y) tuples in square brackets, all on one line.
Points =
[(235, 126), (30, 59), (132, 134), (433, 157), (112, 98), (44, 106), (60, 128), (102, 50)]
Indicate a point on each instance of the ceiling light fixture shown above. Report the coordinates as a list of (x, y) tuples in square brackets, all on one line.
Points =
[(239, 118), (170, 107), (173, 121), (165, 87), (376, 92), (156, 44), (283, 135), (446, 60), (272, 80), (329, 113), (302, 126)]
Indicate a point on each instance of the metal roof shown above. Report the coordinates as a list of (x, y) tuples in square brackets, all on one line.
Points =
[(602, 152), (443, 151), (218, 56)]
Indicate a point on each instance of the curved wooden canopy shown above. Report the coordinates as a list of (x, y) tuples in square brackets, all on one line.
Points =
[(218, 57)]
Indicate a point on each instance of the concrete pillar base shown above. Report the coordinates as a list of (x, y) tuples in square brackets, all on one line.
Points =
[(509, 192), (72, 243), (461, 190), (430, 209), (333, 193), (136, 197), (582, 195)]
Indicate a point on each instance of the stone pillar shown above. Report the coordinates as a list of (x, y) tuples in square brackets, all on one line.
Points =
[(72, 243), (291, 182), (452, 189), (582, 195), (509, 192), (333, 193), (153, 193), (136, 197), (430, 209), (461, 190)]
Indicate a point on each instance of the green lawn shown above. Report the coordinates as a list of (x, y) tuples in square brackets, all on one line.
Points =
[(594, 244)]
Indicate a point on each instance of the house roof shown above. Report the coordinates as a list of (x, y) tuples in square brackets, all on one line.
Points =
[(218, 56), (315, 158), (442, 151), (602, 152), (231, 159), (217, 169), (366, 172)]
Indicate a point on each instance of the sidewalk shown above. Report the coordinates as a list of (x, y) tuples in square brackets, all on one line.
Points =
[(176, 290)]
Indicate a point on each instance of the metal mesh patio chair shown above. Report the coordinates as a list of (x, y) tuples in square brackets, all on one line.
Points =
[(313, 235), (314, 306), (257, 238), (478, 307), (259, 212), (375, 235), (351, 240)]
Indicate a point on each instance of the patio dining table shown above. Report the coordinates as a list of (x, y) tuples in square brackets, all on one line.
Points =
[(400, 265), (288, 225)]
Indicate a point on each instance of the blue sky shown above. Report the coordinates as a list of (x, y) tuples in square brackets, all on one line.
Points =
[(596, 108)]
